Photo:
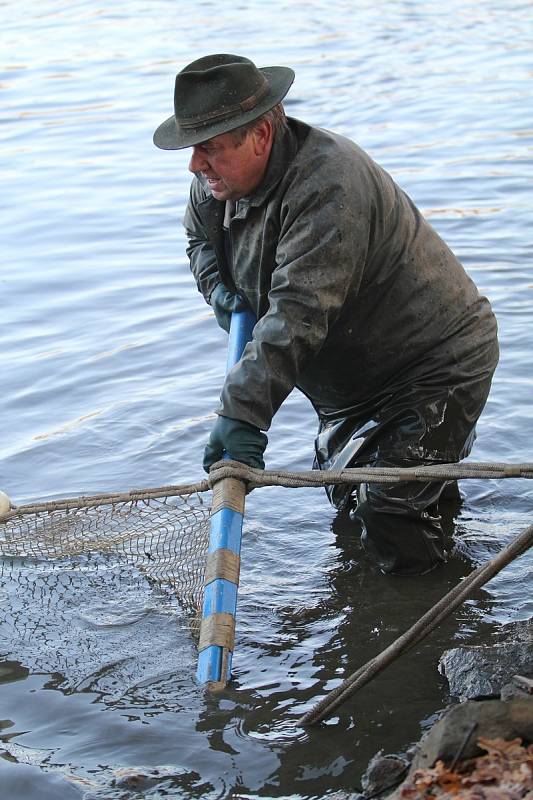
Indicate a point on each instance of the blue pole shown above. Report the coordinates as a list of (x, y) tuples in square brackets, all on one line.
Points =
[(217, 630)]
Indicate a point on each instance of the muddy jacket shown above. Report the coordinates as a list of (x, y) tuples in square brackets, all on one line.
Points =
[(357, 297)]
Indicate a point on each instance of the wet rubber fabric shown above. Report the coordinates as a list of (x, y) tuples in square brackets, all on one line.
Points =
[(401, 524)]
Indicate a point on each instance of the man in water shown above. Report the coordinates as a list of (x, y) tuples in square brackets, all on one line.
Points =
[(359, 302)]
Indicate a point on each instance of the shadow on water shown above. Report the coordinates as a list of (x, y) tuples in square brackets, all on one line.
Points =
[(115, 645), (361, 613)]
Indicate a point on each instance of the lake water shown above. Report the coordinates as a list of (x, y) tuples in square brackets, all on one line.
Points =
[(114, 364)]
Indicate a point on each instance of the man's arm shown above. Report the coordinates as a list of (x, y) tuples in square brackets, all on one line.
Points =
[(202, 257), (320, 257)]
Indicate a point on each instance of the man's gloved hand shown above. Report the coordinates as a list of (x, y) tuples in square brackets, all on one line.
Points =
[(224, 303), (242, 441)]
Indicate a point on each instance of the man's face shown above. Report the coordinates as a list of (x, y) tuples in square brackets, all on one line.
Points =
[(233, 170)]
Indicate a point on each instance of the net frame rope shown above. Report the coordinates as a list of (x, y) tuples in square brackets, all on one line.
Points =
[(255, 479), (164, 531)]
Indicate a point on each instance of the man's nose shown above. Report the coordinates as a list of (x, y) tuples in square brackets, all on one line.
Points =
[(197, 162)]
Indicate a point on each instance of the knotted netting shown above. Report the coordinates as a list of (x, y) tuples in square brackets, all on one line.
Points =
[(164, 532), (165, 537)]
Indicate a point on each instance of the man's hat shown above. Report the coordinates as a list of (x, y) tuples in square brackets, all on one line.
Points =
[(217, 94)]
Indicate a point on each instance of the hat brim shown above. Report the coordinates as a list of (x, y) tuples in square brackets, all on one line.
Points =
[(169, 136)]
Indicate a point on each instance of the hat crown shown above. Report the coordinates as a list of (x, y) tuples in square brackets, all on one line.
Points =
[(217, 87), (218, 93)]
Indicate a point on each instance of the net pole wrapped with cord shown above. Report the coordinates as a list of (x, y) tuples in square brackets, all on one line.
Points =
[(164, 532), (217, 629)]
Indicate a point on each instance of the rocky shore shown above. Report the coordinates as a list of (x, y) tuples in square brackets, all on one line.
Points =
[(481, 748)]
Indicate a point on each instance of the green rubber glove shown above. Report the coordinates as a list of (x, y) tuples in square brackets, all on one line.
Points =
[(240, 440), (224, 303)]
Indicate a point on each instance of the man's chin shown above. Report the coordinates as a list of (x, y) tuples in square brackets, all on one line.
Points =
[(221, 195), (225, 193), (219, 190)]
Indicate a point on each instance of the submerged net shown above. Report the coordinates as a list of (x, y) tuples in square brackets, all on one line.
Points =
[(165, 538), (165, 532)]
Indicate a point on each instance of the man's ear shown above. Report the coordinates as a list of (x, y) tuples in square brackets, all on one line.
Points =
[(263, 134)]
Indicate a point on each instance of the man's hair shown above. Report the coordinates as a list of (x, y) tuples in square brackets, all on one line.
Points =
[(276, 117)]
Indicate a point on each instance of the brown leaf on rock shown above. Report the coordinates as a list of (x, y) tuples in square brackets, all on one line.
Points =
[(502, 747), (505, 772)]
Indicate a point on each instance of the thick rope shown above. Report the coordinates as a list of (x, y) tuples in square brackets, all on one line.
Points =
[(256, 478), (428, 622), (95, 500)]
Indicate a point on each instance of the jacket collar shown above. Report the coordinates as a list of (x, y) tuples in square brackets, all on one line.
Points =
[(283, 151)]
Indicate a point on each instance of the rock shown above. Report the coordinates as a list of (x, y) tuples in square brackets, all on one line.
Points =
[(383, 772), (501, 772), (460, 727), (520, 686), (483, 670)]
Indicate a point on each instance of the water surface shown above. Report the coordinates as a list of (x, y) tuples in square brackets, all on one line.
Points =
[(113, 365)]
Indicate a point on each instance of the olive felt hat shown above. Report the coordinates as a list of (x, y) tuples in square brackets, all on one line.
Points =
[(217, 94)]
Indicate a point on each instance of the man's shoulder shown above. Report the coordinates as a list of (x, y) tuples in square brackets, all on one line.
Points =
[(315, 139), (325, 157)]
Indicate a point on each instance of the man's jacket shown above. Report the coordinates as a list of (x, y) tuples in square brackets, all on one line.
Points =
[(356, 295)]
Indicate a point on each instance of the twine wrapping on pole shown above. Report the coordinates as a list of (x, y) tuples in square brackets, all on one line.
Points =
[(217, 629)]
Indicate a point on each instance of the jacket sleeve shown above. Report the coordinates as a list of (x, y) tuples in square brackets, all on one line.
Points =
[(320, 257), (202, 257)]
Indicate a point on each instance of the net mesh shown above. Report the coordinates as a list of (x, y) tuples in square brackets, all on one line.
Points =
[(166, 539), (164, 532)]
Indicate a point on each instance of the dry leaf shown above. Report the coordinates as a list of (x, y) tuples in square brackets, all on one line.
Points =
[(505, 772)]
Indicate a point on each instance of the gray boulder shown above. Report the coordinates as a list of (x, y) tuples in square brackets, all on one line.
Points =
[(481, 671), (456, 733), (384, 772)]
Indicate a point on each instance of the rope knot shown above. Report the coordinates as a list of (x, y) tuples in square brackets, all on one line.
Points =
[(235, 469)]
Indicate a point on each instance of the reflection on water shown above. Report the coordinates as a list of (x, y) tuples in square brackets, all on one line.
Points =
[(113, 365)]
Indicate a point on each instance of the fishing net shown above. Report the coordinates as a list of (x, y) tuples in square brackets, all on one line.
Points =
[(164, 532), (166, 537)]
